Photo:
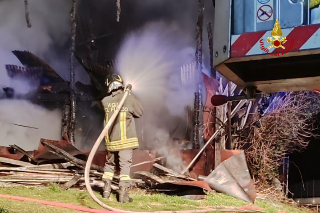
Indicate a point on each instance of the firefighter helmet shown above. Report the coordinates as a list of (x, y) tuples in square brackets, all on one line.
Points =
[(114, 82)]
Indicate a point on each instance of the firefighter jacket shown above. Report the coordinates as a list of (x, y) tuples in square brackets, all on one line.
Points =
[(122, 134)]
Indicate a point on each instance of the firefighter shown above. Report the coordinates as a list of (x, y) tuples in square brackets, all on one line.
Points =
[(121, 138)]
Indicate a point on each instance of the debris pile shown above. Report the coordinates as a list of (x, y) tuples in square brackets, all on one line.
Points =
[(53, 162), (60, 162)]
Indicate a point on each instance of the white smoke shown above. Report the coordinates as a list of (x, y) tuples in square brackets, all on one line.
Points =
[(150, 60), (173, 159), (50, 30), (50, 26), (35, 123)]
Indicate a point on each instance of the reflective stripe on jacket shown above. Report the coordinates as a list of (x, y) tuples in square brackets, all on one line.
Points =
[(122, 134)]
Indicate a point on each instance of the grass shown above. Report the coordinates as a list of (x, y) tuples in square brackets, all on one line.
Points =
[(11, 206), (142, 201)]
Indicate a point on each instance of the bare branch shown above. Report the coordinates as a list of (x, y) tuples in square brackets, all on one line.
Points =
[(118, 10), (286, 127), (27, 13)]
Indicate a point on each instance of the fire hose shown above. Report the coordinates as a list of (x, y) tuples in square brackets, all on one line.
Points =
[(94, 150)]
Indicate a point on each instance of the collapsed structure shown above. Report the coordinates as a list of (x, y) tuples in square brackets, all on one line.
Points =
[(57, 161), (62, 162)]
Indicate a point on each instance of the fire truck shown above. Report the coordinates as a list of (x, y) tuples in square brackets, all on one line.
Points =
[(267, 46)]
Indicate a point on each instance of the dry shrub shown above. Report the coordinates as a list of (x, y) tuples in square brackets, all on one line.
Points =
[(285, 128)]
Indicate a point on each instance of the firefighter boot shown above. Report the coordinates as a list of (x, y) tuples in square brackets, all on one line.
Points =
[(124, 195), (106, 189)]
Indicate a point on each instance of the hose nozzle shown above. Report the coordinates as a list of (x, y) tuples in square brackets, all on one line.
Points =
[(128, 87)]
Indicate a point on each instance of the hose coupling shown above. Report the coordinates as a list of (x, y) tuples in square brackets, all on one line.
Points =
[(128, 87)]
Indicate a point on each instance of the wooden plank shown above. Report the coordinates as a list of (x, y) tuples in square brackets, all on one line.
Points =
[(244, 119), (34, 178), (65, 155), (19, 149), (217, 152), (35, 181), (229, 104), (218, 140), (24, 169), (149, 178), (51, 166), (171, 172), (14, 162), (210, 39), (145, 162), (72, 182)]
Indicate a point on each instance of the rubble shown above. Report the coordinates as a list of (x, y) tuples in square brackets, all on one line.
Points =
[(61, 163)]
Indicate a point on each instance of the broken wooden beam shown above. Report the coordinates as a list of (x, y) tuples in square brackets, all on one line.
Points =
[(145, 162), (171, 172), (14, 162), (19, 149), (149, 178), (25, 169), (51, 166), (72, 182), (17, 180), (65, 155)]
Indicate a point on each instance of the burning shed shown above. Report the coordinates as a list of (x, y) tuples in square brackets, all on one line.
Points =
[(180, 137)]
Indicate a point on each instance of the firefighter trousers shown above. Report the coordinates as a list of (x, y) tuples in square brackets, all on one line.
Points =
[(124, 158)]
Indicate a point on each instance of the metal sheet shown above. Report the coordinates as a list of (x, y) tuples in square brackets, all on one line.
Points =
[(7, 153), (226, 154), (99, 159), (43, 155), (255, 43), (257, 15), (205, 164), (232, 177), (251, 16), (293, 13), (222, 31)]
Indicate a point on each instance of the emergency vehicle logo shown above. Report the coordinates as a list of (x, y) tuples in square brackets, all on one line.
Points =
[(276, 40)]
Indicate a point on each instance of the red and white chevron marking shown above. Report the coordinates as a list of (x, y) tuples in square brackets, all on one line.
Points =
[(298, 38)]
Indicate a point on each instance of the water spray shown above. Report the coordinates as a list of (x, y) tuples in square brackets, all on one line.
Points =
[(154, 74)]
